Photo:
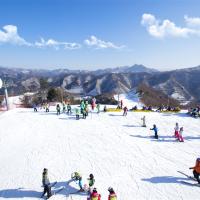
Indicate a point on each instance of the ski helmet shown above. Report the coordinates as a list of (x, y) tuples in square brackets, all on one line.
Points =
[(110, 189), (91, 176)]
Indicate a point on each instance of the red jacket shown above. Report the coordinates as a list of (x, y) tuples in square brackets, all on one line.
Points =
[(95, 196), (112, 196)]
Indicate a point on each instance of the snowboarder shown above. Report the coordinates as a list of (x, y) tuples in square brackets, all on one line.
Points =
[(58, 109), (77, 177), (180, 135), (196, 170), (176, 130), (143, 121), (94, 195), (112, 195), (77, 113), (155, 129), (46, 183), (125, 111)]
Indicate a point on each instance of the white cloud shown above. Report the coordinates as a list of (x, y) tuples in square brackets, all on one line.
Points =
[(192, 21), (57, 45), (100, 44), (166, 28), (10, 35)]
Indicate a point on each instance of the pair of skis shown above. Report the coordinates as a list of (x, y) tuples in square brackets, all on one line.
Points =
[(191, 178)]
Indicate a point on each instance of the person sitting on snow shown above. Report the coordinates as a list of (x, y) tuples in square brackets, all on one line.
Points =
[(196, 170)]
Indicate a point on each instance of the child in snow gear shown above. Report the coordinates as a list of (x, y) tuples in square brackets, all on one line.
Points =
[(176, 130), (91, 180), (64, 107), (77, 177), (125, 111), (180, 137), (69, 109), (94, 195), (143, 121), (58, 109), (196, 170), (46, 183), (77, 113), (155, 129), (46, 107), (112, 195), (98, 108)]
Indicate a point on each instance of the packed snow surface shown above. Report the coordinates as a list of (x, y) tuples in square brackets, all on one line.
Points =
[(116, 149)]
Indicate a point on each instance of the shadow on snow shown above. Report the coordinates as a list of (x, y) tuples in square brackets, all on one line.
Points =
[(23, 192)]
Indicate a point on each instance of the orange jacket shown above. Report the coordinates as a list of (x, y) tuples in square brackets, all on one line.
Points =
[(197, 167)]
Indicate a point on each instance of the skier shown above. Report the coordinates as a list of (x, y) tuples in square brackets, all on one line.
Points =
[(35, 107), (105, 109), (84, 113), (64, 107), (94, 195), (121, 104), (155, 129), (125, 111), (82, 106), (196, 170), (93, 102), (77, 177), (77, 113), (112, 195), (176, 130), (58, 109), (98, 108), (180, 135), (47, 107), (69, 109), (144, 121), (46, 183), (91, 180)]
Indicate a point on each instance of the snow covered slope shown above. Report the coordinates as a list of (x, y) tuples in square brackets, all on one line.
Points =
[(116, 149)]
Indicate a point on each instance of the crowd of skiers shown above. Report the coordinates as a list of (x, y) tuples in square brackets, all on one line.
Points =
[(76, 176)]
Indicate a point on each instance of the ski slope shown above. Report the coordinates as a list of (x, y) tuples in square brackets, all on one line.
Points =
[(116, 149)]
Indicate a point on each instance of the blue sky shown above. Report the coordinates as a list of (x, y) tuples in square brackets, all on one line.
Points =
[(91, 34)]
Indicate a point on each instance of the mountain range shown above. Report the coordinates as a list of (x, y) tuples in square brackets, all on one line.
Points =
[(182, 84)]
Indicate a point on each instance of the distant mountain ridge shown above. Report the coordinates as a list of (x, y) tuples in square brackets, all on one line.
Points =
[(182, 84)]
